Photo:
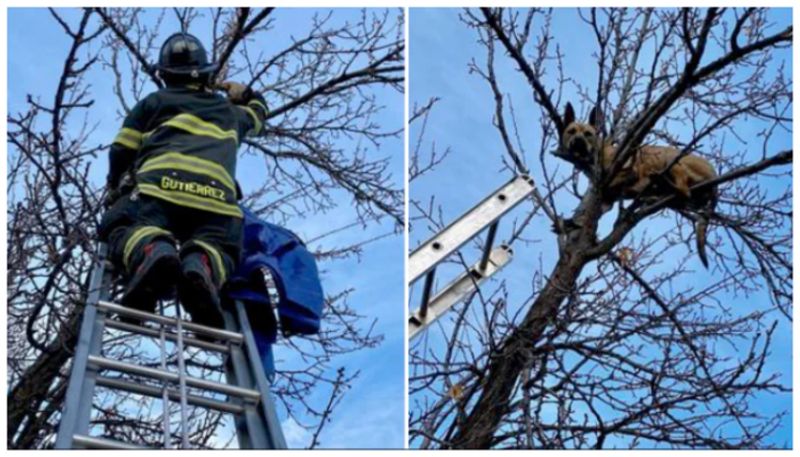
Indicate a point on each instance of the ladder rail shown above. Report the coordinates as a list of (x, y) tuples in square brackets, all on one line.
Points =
[(249, 425), (261, 383), (467, 226), (76, 412), (165, 403), (258, 427), (185, 443)]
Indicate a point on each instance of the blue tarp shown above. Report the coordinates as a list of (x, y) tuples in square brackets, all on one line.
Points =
[(294, 270)]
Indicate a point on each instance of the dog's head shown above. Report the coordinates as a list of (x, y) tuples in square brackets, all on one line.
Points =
[(580, 141)]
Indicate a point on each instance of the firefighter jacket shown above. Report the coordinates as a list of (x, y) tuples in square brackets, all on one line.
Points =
[(181, 144)]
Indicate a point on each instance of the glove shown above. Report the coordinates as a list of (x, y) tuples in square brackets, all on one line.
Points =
[(126, 184), (111, 197), (237, 92)]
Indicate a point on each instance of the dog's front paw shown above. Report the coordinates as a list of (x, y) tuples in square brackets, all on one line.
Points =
[(567, 225)]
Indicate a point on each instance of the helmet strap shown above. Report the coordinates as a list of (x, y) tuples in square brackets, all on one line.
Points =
[(190, 81)]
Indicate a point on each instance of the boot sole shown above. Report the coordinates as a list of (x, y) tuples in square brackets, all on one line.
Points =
[(158, 283)]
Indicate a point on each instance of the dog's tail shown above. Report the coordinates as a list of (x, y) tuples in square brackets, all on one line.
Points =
[(701, 226)]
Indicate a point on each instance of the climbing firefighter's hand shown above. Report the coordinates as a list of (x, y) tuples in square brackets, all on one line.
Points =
[(117, 188), (112, 195), (237, 92)]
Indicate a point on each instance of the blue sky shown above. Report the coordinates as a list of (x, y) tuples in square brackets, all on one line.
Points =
[(440, 49), (371, 414)]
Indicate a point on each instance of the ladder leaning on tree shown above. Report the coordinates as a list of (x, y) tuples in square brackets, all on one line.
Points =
[(425, 258), (246, 392)]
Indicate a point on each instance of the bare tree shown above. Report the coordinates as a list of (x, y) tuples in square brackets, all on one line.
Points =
[(611, 348), (323, 93)]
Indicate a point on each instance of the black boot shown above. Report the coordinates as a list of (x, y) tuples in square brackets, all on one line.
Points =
[(198, 292), (153, 278)]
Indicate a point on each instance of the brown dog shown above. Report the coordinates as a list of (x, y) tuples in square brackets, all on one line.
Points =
[(642, 176)]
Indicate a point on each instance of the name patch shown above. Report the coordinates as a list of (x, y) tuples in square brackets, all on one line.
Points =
[(195, 188)]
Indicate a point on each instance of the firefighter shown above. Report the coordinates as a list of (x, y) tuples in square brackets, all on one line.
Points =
[(173, 217)]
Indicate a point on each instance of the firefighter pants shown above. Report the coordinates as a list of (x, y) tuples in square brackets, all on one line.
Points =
[(137, 219)]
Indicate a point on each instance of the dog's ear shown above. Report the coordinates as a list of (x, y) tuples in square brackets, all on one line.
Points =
[(596, 118), (569, 114)]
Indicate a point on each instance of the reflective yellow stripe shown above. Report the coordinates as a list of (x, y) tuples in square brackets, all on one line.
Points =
[(191, 201), (257, 122), (259, 104), (216, 258), (178, 161), (197, 126), (126, 142), (136, 237), (129, 138)]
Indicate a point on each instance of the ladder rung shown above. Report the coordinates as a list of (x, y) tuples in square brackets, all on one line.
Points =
[(152, 391), (102, 362), (91, 442), (211, 331), (133, 328)]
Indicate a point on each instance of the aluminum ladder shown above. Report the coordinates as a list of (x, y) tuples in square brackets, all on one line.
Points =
[(425, 258), (246, 391)]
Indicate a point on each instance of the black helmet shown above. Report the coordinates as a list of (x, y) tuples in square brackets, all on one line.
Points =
[(184, 54)]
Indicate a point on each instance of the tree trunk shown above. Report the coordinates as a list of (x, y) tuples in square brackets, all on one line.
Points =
[(477, 430), (33, 388)]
